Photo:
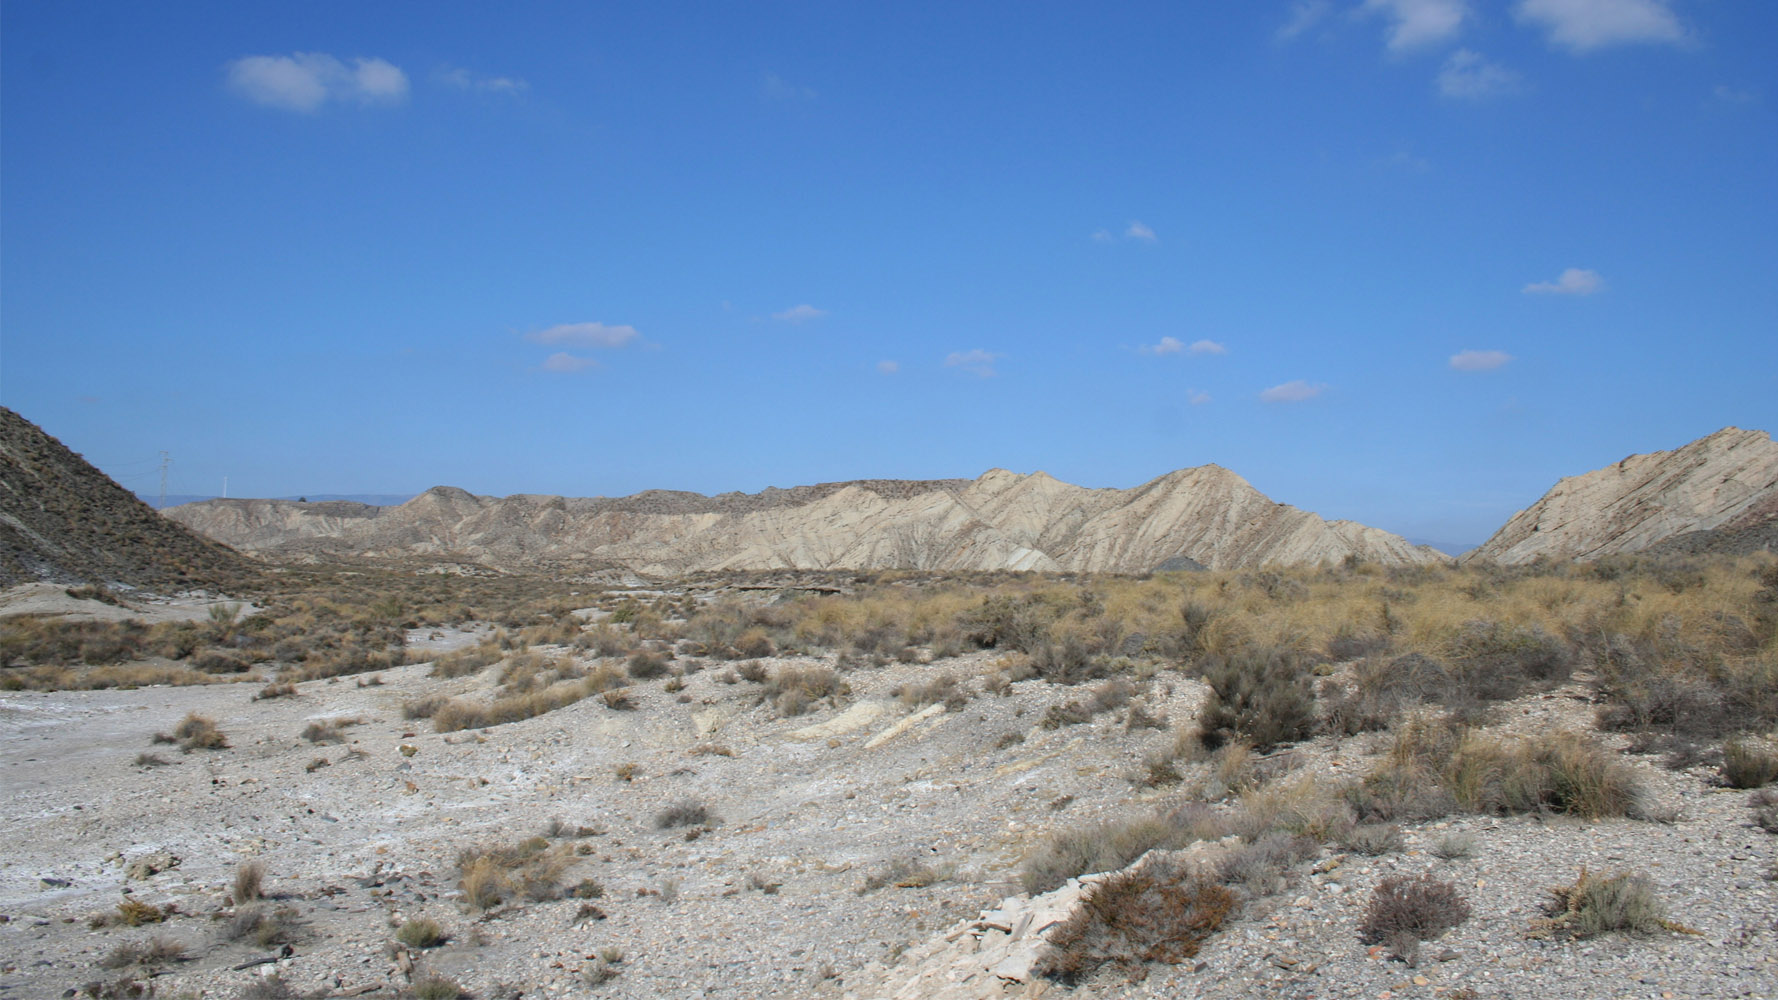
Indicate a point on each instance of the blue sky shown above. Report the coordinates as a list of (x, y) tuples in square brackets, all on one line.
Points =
[(1403, 261)]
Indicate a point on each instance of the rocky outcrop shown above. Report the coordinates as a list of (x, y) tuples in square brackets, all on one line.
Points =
[(1727, 480), (63, 520), (1206, 516)]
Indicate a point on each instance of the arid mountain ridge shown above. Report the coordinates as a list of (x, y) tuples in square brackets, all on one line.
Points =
[(63, 520), (1718, 493), (1201, 517)]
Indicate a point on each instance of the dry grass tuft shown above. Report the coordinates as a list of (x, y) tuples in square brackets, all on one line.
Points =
[(249, 883), (1600, 904)]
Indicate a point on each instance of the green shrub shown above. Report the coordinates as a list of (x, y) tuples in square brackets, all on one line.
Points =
[(1600, 904), (421, 932)]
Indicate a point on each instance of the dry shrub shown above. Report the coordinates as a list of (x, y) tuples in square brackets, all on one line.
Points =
[(794, 690), (1382, 688), (944, 689), (421, 932), (1765, 810), (459, 713), (1374, 839), (264, 927), (493, 874), (1153, 914), (1748, 763), (1105, 697), (685, 812), (195, 732), (249, 882), (1102, 847), (1404, 912), (1557, 772), (466, 661), (271, 691), (1260, 697), (155, 951), (328, 730), (131, 913), (1599, 904), (1261, 866), (644, 665), (902, 873), (432, 986), (423, 708), (1302, 805)]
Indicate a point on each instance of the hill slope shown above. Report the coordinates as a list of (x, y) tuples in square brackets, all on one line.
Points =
[(1206, 516), (63, 520), (1720, 491)]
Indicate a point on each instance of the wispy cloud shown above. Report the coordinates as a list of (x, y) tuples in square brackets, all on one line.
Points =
[(1197, 398), (976, 362), (1403, 159), (1574, 281), (1292, 392), (1583, 25), (888, 367), (1102, 236), (800, 314), (1416, 24), (566, 363), (775, 88), (463, 79), (1173, 345), (1479, 361), (1138, 231), (584, 335), (304, 81), (1304, 14), (1468, 76), (1733, 95)]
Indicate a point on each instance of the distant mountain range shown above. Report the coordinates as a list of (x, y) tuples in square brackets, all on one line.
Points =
[(373, 499), (1207, 517)]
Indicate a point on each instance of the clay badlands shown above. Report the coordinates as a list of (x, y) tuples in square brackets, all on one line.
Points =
[(981, 738)]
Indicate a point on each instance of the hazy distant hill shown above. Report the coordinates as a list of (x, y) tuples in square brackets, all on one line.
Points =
[(1206, 516), (374, 499), (1719, 493), (63, 520)]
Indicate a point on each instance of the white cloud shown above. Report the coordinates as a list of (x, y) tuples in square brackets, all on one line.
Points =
[(1731, 95), (1467, 75), (1292, 392), (1582, 25), (1102, 236), (584, 335), (304, 81), (1414, 24), (1196, 398), (800, 314), (1574, 281), (1304, 14), (888, 367), (976, 362), (774, 88), (1138, 231), (1168, 345), (561, 361), (1479, 361), (463, 79), (1207, 347)]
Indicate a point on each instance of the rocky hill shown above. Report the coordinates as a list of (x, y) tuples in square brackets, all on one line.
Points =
[(1719, 493), (65, 521), (1202, 517)]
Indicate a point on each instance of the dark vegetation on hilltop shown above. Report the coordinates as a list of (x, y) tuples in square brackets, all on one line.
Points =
[(65, 521)]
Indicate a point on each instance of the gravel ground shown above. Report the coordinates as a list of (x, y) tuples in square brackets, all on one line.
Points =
[(768, 902)]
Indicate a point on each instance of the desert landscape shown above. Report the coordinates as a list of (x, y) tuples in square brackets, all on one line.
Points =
[(364, 769), (889, 501)]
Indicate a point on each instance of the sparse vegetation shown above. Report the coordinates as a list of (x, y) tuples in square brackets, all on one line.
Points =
[(421, 932), (685, 812), (195, 732), (249, 883), (1600, 904), (1404, 912), (1150, 914), (494, 874)]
